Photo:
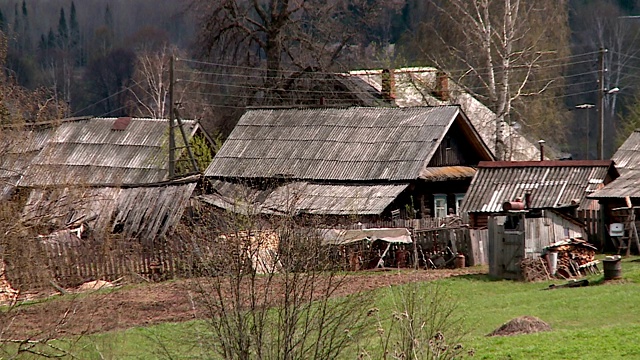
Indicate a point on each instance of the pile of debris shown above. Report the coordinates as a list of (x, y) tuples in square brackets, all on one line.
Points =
[(575, 257)]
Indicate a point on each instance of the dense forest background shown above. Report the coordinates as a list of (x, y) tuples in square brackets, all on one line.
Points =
[(111, 57)]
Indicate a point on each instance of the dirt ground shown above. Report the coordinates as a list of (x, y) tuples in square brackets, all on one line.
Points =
[(171, 301)]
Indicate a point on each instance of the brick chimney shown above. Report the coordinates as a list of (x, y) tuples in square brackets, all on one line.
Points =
[(442, 86), (388, 84)]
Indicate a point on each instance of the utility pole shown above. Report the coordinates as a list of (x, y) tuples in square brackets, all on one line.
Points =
[(172, 141), (601, 90)]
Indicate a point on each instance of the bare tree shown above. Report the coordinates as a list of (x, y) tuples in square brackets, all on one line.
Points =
[(267, 40), (503, 47)]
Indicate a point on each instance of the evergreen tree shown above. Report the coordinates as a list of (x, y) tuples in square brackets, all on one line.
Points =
[(26, 31), (63, 31), (74, 35), (51, 39), (3, 25), (16, 28)]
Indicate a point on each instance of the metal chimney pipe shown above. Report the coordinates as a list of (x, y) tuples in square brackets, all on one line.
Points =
[(541, 143)]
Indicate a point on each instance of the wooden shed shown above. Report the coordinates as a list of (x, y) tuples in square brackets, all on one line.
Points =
[(516, 235)]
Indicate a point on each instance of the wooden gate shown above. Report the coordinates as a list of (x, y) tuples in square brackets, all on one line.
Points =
[(506, 247)]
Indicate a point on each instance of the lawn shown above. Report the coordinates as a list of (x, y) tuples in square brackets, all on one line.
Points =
[(594, 322)]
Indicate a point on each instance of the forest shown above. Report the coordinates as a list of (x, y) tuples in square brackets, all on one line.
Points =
[(534, 63)]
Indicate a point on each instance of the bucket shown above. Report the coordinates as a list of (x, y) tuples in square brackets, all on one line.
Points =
[(612, 267), (553, 262), (459, 261)]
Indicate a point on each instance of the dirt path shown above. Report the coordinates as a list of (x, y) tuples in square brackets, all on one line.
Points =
[(162, 302)]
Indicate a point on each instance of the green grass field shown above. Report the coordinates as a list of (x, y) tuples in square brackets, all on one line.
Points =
[(595, 322)]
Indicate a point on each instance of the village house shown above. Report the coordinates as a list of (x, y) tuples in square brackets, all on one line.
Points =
[(347, 164), (527, 206), (428, 86)]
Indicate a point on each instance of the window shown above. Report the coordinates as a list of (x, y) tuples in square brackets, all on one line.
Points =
[(440, 205), (459, 198)]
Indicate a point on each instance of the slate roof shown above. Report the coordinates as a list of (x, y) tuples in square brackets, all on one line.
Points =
[(340, 144), (627, 160), (628, 155), (304, 197), (90, 151), (552, 184)]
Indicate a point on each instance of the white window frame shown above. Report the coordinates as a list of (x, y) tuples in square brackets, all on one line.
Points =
[(443, 210)]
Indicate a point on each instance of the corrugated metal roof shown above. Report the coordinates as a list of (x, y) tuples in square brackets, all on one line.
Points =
[(628, 155), (551, 184), (444, 173), (304, 197), (89, 152), (333, 144)]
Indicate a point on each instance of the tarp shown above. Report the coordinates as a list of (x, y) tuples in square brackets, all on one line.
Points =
[(343, 237)]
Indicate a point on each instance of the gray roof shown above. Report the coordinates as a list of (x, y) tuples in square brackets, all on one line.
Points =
[(356, 143), (552, 184), (89, 152), (17, 149), (627, 160), (304, 197), (628, 155), (143, 212)]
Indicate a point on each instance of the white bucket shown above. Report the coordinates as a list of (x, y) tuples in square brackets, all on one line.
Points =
[(553, 262)]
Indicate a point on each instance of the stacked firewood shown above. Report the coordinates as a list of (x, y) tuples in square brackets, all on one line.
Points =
[(572, 254)]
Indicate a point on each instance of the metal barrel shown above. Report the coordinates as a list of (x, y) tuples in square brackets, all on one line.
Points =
[(612, 269)]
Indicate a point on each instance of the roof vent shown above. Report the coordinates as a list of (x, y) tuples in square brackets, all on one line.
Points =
[(121, 123)]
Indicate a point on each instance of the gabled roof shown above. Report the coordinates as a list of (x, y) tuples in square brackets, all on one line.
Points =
[(552, 184), (343, 144), (415, 86), (96, 151)]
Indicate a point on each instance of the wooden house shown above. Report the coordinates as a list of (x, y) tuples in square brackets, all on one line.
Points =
[(350, 164)]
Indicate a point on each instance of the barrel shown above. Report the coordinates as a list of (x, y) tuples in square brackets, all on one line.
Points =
[(459, 261), (612, 268)]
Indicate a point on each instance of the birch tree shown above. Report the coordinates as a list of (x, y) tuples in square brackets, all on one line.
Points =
[(502, 47)]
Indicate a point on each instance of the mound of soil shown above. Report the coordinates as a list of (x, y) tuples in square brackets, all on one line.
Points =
[(521, 325)]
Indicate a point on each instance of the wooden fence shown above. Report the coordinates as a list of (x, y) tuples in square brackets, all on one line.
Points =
[(70, 264), (593, 223)]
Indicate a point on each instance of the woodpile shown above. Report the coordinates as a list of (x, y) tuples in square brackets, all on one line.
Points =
[(574, 257), (534, 269)]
